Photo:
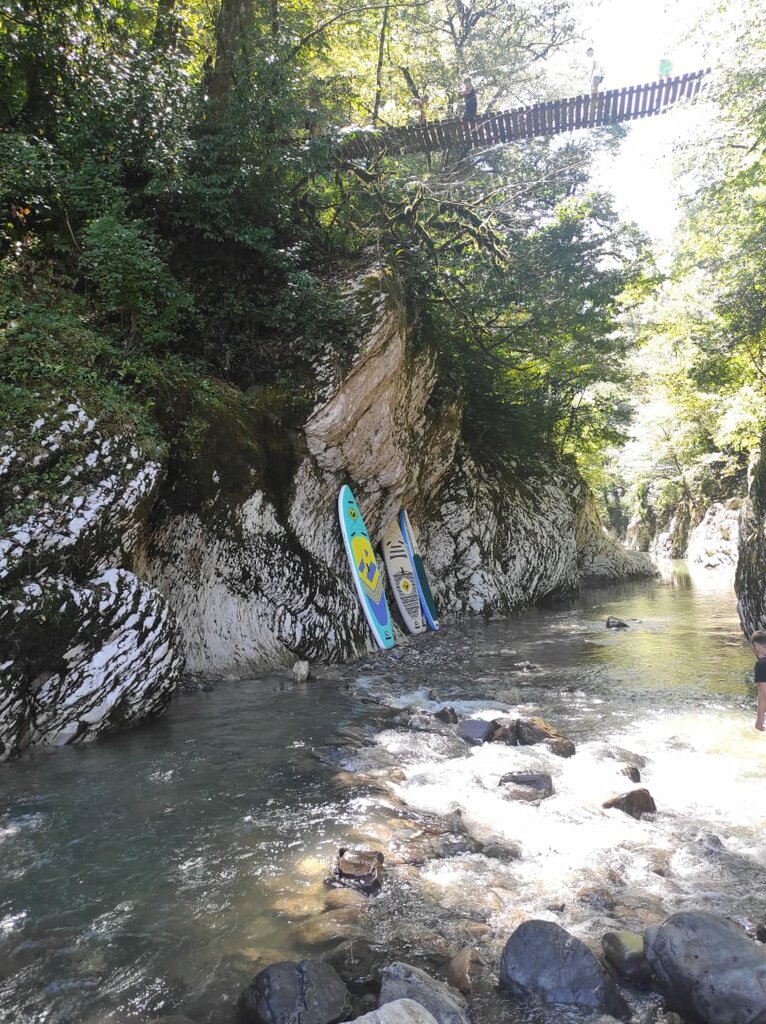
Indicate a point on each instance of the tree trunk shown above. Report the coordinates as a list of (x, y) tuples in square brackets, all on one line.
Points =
[(379, 73), (234, 20)]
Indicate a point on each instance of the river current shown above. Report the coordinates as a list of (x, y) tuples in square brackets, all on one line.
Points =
[(157, 872)]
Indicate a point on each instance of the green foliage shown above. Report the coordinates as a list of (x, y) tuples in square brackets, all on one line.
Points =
[(122, 262)]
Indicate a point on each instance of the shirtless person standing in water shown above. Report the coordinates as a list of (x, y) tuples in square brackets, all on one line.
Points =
[(758, 641)]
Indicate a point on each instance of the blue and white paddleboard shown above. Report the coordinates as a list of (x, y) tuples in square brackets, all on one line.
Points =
[(427, 602), (365, 571), (401, 576)]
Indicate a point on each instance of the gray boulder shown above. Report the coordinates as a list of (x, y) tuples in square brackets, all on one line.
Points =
[(625, 952), (309, 991), (528, 786), (636, 802), (401, 981), (475, 731), (543, 961), (707, 968), (401, 1011)]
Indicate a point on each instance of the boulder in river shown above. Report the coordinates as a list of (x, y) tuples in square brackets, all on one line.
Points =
[(362, 869), (632, 773), (635, 803), (402, 981), (447, 714), (613, 622), (463, 969), (529, 786), (625, 952), (301, 671), (536, 730), (401, 1011), (708, 969), (307, 990), (543, 961), (475, 731)]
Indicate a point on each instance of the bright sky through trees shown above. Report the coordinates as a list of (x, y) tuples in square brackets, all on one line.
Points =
[(629, 40)]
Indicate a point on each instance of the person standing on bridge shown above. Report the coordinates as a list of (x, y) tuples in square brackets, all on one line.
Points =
[(596, 70), (470, 100)]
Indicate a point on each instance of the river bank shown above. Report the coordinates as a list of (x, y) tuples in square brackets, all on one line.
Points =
[(158, 872)]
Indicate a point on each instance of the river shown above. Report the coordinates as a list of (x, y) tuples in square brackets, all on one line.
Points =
[(158, 871)]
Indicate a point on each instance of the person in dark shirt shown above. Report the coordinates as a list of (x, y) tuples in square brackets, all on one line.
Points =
[(758, 642), (470, 99)]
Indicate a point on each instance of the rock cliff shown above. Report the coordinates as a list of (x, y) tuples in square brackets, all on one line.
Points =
[(110, 584), (750, 580)]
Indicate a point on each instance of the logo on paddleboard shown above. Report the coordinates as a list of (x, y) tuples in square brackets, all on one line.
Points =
[(367, 569)]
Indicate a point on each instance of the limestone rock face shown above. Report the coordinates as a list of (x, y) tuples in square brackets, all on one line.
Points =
[(708, 969), (86, 647), (750, 579), (714, 543), (599, 555)]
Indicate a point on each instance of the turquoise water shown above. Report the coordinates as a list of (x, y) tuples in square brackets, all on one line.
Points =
[(158, 871)]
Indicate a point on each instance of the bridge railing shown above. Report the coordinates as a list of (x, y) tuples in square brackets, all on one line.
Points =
[(588, 110)]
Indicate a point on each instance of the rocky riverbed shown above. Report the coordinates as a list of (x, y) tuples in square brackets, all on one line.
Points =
[(161, 872)]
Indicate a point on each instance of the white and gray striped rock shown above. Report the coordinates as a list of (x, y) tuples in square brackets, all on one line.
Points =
[(87, 659), (402, 981)]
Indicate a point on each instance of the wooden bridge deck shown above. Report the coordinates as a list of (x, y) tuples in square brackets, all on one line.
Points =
[(613, 106)]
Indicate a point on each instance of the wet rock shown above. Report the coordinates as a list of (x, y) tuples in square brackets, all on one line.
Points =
[(342, 899), (505, 730), (526, 667), (307, 990), (635, 803), (362, 869), (475, 731), (561, 746), (402, 981), (543, 961), (463, 969), (596, 897), (529, 786), (537, 730), (448, 715), (360, 964), (625, 952), (627, 756), (614, 623), (330, 927), (506, 851), (401, 1011), (632, 772), (301, 671), (707, 968), (760, 932)]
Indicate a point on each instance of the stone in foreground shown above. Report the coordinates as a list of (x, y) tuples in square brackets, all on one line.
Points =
[(708, 969), (401, 981), (543, 961), (309, 991), (475, 731), (401, 1011), (625, 952)]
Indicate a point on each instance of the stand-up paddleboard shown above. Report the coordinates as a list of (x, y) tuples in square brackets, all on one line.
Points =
[(401, 575), (427, 602), (368, 579)]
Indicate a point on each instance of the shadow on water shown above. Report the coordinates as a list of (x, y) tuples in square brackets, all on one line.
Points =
[(158, 871)]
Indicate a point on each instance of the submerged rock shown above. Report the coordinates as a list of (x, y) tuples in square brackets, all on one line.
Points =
[(448, 715), (635, 803), (613, 622), (543, 961), (632, 772), (463, 969), (309, 991), (527, 785), (301, 671), (708, 969), (402, 981)]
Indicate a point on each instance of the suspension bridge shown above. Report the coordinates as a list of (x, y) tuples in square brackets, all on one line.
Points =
[(495, 128)]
